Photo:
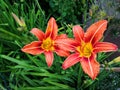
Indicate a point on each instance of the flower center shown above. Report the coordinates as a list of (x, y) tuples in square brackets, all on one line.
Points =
[(47, 44), (85, 49)]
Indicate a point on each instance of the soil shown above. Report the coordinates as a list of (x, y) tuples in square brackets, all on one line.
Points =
[(110, 37)]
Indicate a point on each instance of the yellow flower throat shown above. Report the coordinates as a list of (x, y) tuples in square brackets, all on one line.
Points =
[(47, 44), (85, 49)]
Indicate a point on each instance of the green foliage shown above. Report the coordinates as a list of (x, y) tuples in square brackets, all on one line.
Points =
[(33, 73), (75, 11), (10, 31)]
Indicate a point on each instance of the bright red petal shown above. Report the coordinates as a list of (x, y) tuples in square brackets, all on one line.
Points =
[(66, 44), (71, 60), (90, 67), (78, 33), (62, 36), (104, 47), (38, 33), (61, 52), (95, 31), (52, 28), (49, 58), (33, 48)]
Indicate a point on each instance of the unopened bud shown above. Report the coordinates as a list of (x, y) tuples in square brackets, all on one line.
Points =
[(19, 21), (116, 60)]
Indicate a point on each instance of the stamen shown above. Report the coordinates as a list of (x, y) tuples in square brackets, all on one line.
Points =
[(85, 49), (48, 44)]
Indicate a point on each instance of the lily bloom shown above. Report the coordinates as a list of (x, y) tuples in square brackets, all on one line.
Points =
[(47, 42), (87, 46)]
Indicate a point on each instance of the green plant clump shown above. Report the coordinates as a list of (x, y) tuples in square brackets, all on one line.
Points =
[(22, 71)]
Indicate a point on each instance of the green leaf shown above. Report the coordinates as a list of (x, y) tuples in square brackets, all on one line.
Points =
[(44, 88), (2, 88), (87, 83), (62, 86), (25, 64), (9, 34)]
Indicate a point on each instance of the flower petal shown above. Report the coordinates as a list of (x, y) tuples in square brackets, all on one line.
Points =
[(62, 52), (105, 47), (49, 58), (33, 48), (62, 36), (38, 33), (66, 44), (95, 31), (78, 33), (52, 28), (71, 60), (90, 67)]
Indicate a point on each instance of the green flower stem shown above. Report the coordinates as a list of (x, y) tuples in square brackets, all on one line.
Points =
[(79, 78)]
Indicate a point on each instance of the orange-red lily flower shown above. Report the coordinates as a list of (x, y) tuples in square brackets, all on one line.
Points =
[(47, 42), (86, 47)]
